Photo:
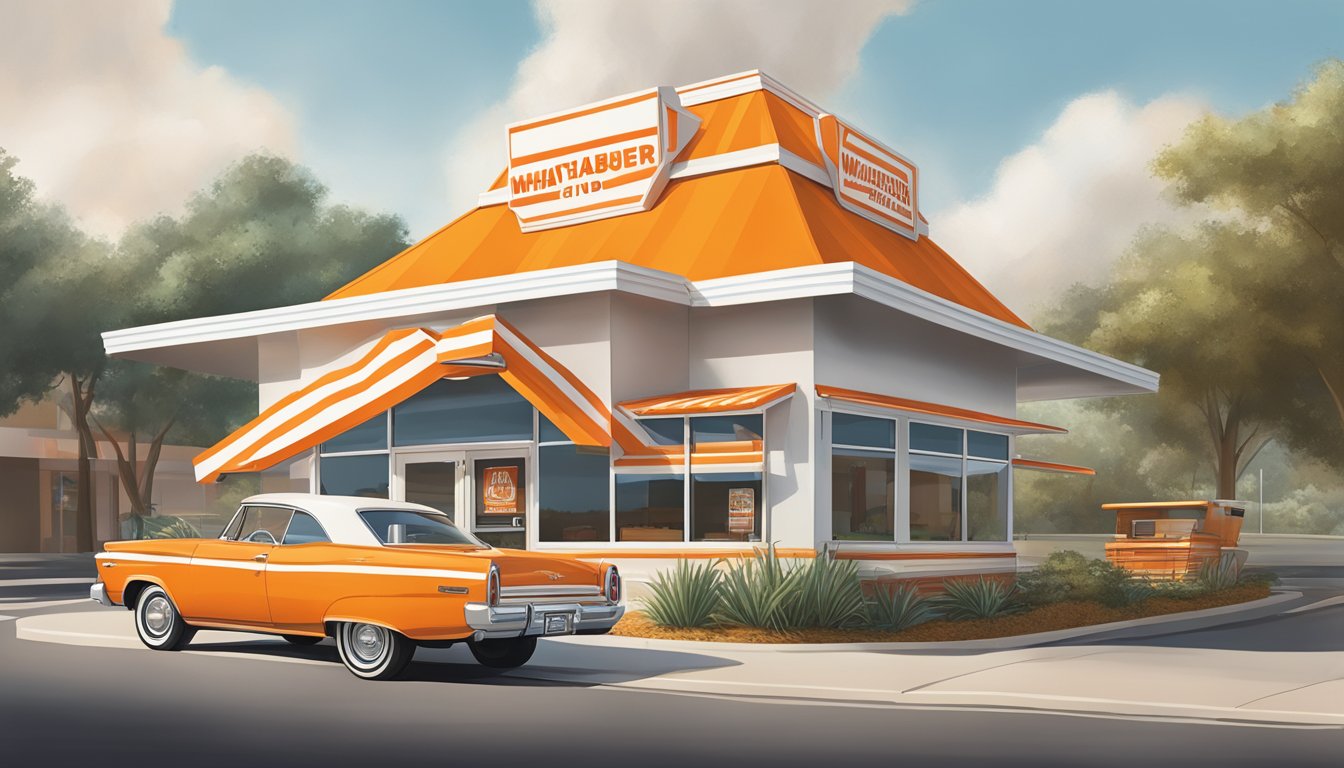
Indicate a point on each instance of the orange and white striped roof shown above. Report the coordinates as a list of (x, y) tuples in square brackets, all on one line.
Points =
[(641, 453), (399, 365), (748, 193), (706, 401)]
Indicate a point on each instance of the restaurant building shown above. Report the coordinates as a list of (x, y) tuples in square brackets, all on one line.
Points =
[(681, 323)]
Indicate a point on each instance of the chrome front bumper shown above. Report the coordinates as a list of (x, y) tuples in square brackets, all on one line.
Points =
[(98, 594), (523, 619)]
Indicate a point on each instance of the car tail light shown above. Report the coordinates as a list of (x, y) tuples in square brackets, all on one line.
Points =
[(492, 586), (613, 585)]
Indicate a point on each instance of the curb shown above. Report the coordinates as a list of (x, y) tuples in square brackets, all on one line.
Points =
[(1209, 617)]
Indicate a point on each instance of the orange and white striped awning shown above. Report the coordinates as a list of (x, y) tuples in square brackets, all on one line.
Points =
[(399, 365), (934, 409), (641, 453)]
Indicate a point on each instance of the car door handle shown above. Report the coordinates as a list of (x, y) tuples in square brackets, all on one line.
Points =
[(261, 558)]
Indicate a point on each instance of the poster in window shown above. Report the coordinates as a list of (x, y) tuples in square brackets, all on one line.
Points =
[(499, 490), (742, 510)]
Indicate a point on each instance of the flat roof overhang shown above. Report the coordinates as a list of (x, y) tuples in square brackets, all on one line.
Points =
[(227, 345)]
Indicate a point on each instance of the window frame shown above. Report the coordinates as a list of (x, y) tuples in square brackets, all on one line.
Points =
[(965, 459), (897, 468)]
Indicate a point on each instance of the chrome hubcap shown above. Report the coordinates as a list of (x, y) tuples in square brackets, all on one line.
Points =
[(158, 615), (369, 642)]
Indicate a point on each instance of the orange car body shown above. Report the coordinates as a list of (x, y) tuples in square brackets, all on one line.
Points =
[(426, 592)]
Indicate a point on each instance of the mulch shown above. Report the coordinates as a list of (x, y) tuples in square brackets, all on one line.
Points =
[(1047, 618)]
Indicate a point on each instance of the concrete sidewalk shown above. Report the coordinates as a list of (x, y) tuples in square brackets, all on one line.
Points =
[(1246, 686)]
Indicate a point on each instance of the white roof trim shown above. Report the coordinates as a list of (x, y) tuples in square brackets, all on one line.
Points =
[(777, 285)]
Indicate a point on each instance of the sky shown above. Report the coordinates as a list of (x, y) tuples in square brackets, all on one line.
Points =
[(1033, 122)]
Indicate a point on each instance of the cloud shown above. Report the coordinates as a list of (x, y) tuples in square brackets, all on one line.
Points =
[(109, 116), (601, 48), (1062, 209)]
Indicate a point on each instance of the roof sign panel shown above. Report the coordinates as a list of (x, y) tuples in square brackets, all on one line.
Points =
[(869, 179), (596, 161)]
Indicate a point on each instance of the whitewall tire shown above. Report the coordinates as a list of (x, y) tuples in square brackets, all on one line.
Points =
[(372, 652), (158, 622)]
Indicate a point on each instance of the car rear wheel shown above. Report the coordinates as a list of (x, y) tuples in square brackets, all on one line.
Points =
[(373, 652), (505, 653), (302, 639), (158, 622)]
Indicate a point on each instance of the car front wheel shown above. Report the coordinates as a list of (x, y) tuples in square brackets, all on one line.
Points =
[(373, 652), (158, 622), (505, 653)]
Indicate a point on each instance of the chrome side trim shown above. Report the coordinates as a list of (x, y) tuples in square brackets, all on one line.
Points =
[(98, 594), (548, 589)]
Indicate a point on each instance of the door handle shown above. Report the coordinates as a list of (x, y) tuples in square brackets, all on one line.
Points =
[(261, 558)]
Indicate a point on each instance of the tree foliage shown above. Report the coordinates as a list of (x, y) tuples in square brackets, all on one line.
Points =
[(263, 234)]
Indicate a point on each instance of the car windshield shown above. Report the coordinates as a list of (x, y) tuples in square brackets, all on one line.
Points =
[(421, 527)]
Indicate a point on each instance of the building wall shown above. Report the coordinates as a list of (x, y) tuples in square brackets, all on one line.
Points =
[(650, 347), (758, 344), (20, 517)]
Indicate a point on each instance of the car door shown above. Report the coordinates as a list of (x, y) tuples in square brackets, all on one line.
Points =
[(300, 578), (229, 573)]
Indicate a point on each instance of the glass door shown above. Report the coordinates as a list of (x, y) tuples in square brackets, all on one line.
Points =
[(433, 479), (498, 493)]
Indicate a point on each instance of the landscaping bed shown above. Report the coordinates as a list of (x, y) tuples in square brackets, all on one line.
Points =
[(1066, 614)]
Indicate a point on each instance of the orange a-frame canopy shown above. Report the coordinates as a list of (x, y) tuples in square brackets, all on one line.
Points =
[(402, 363), (933, 409)]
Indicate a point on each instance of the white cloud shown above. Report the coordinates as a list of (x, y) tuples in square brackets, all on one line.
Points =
[(1062, 209), (109, 115), (601, 48)]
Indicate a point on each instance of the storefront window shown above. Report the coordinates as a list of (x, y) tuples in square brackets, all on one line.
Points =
[(574, 494), (726, 429), (481, 409), (650, 507), (863, 478), (935, 498), (369, 436), (863, 495), (986, 500), (726, 506), (354, 475), (959, 484)]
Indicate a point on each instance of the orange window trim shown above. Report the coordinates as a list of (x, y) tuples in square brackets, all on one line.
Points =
[(859, 555), (1051, 466)]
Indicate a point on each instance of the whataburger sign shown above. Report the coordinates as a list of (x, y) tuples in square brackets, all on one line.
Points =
[(597, 161), (869, 179)]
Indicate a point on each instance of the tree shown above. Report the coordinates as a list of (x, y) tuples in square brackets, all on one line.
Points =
[(55, 289), (1228, 385), (1281, 168), (261, 235), (163, 404)]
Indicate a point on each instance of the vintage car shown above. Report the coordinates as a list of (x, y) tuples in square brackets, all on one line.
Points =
[(378, 576)]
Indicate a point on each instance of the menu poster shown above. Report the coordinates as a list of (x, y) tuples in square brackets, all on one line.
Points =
[(742, 510), (499, 490)]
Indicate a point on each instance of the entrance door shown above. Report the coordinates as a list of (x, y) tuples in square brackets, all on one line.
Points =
[(483, 491), (432, 479), (498, 495)]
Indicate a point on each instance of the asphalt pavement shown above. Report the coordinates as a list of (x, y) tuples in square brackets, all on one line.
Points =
[(66, 704)]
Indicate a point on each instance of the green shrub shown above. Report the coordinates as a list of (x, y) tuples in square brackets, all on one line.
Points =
[(686, 596), (979, 599), (896, 607), (1068, 575), (824, 592), (758, 592), (1220, 574)]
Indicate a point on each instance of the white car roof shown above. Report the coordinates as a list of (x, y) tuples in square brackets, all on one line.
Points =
[(337, 514)]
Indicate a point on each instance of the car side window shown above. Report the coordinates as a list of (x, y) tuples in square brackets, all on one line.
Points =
[(263, 525), (304, 529), (231, 533)]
